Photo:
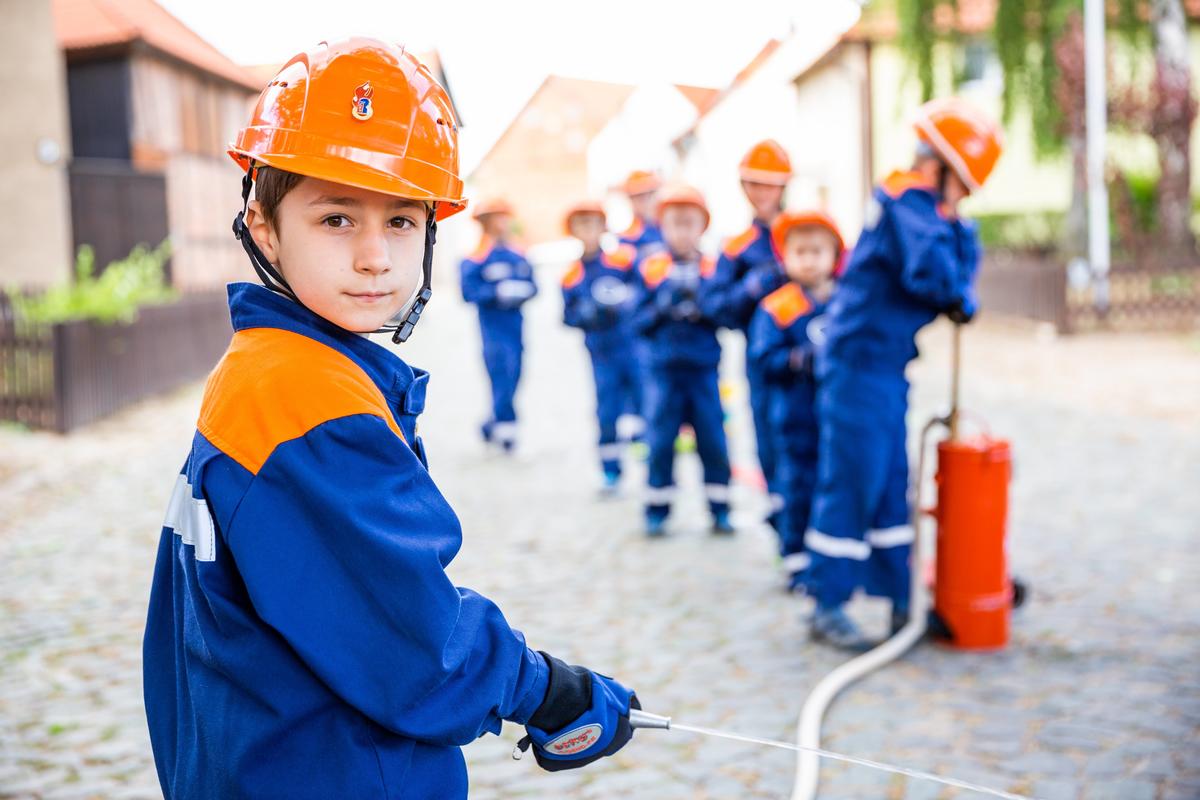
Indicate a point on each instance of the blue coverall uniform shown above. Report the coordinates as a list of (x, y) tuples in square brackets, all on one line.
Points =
[(682, 356), (498, 280), (746, 272), (643, 236), (785, 333), (303, 639), (599, 296), (911, 263)]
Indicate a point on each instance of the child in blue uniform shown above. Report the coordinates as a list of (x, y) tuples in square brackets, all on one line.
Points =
[(916, 259), (746, 273), (643, 234), (498, 280), (599, 292), (303, 639), (682, 354), (785, 334)]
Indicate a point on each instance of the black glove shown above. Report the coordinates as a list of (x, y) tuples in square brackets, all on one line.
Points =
[(583, 718), (960, 313)]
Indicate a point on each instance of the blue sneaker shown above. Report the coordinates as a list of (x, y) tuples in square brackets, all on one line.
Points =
[(721, 525), (834, 626), (656, 527), (612, 482)]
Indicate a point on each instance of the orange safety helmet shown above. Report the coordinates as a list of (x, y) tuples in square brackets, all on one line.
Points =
[(363, 113), (641, 181), (966, 139), (683, 196), (766, 162), (491, 205), (583, 207), (360, 112), (789, 220)]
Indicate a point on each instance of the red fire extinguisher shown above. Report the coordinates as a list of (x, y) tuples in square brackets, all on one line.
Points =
[(974, 593)]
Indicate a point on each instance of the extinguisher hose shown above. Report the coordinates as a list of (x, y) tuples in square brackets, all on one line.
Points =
[(808, 728)]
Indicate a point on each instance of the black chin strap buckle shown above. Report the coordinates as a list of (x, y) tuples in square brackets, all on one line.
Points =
[(405, 328), (412, 317)]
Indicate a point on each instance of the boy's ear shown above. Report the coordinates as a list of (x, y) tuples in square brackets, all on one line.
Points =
[(261, 232)]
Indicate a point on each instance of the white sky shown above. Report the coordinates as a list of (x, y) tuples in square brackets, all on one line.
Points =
[(496, 52)]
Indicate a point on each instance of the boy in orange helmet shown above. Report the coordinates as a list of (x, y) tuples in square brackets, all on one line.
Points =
[(599, 291), (682, 355), (498, 280), (785, 333), (748, 271), (643, 234), (916, 259), (303, 639)]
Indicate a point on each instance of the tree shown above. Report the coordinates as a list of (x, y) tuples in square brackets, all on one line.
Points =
[(1171, 125)]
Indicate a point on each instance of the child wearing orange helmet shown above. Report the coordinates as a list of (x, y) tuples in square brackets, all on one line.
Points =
[(599, 291), (748, 271), (303, 639), (681, 354), (916, 259), (498, 280), (784, 335), (642, 188)]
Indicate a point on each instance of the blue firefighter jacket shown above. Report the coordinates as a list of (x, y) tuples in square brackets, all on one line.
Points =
[(728, 299), (303, 639), (486, 275), (668, 319), (785, 333), (910, 264), (599, 295), (643, 236)]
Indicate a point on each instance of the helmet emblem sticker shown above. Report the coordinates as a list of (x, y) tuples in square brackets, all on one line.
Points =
[(363, 108)]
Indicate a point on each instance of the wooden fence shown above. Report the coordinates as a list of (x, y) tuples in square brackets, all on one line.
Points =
[(68, 374)]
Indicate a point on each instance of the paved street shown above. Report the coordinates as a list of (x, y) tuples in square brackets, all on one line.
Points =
[(1098, 695)]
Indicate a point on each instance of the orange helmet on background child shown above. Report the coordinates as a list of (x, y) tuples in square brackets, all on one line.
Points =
[(682, 196), (491, 205), (966, 139), (789, 220), (583, 207), (641, 181), (363, 113), (766, 162)]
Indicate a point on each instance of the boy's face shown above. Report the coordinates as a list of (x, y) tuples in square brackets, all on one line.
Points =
[(682, 227), (351, 255), (497, 225), (809, 255), (643, 204), (587, 228), (765, 198)]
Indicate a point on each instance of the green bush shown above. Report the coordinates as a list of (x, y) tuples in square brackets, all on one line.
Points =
[(1038, 230), (114, 296)]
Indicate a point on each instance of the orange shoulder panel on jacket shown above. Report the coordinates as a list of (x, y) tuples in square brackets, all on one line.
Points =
[(622, 258), (708, 266), (786, 304), (635, 229), (656, 268), (738, 244), (574, 276), (272, 386), (900, 182)]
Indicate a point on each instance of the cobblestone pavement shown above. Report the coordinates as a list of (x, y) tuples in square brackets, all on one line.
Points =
[(1098, 695)]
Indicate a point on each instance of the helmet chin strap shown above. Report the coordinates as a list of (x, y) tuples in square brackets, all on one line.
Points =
[(406, 320)]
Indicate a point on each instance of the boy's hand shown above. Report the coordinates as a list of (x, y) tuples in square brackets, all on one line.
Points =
[(584, 717)]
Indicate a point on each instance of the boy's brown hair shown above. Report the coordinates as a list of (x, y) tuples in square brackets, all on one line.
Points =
[(270, 187)]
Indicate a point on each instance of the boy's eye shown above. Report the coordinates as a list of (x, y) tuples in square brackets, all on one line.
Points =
[(403, 223), (335, 221)]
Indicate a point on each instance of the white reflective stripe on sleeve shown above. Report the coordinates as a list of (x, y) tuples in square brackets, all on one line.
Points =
[(890, 537), (611, 451), (716, 492), (836, 546), (797, 562), (190, 519), (777, 502), (659, 495)]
